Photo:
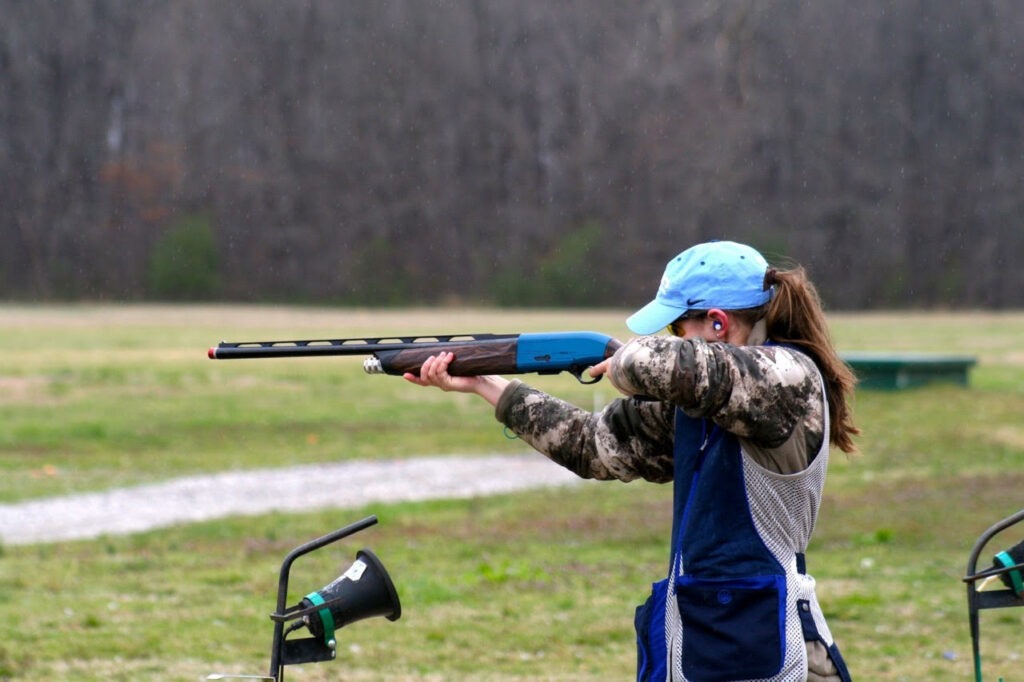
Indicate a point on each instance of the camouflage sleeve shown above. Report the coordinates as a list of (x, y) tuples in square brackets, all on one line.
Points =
[(764, 394), (628, 439)]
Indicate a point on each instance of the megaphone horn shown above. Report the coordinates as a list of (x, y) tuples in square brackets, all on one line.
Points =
[(364, 590)]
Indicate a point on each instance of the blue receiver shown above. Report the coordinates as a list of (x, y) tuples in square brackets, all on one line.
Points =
[(561, 351)]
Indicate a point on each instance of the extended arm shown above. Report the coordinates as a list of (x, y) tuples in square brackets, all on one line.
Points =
[(627, 440)]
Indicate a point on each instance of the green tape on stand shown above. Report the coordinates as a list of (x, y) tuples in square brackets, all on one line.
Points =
[(1017, 583), (326, 617)]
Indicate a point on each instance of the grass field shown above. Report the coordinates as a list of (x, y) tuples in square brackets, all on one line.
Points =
[(533, 586)]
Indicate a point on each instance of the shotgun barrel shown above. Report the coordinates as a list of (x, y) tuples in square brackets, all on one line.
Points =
[(475, 354)]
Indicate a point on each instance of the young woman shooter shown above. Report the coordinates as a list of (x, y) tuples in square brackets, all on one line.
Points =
[(738, 407)]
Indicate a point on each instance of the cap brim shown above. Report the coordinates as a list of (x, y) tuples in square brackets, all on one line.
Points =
[(652, 318)]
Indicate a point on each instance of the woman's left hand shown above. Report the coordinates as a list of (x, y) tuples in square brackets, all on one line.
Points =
[(434, 372)]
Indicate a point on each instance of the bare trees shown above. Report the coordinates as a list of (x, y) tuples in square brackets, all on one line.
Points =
[(425, 150)]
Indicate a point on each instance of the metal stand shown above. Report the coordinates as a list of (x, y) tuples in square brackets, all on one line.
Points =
[(288, 652), (997, 599)]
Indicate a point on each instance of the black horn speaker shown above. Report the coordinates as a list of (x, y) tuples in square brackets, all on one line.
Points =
[(364, 590)]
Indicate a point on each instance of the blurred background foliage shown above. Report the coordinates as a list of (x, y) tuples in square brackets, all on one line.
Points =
[(491, 151)]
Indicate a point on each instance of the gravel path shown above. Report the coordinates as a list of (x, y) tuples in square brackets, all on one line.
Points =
[(329, 486)]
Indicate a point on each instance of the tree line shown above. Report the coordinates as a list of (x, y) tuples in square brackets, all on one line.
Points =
[(507, 152)]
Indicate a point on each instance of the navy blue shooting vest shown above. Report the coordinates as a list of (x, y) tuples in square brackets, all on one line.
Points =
[(731, 594)]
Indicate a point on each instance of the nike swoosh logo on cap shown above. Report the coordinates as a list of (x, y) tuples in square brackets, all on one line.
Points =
[(694, 301)]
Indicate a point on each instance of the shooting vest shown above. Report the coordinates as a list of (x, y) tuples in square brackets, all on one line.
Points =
[(738, 604)]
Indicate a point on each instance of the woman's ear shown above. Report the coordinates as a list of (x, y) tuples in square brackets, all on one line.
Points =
[(719, 322)]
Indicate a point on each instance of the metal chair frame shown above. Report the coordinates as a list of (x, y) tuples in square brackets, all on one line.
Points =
[(997, 599)]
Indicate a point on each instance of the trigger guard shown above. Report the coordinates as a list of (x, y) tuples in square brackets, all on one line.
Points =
[(578, 373)]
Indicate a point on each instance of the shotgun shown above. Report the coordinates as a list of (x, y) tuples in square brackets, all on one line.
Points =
[(475, 354)]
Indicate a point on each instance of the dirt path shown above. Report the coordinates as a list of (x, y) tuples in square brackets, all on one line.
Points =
[(340, 486)]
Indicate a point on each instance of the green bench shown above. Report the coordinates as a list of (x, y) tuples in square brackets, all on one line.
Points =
[(893, 371)]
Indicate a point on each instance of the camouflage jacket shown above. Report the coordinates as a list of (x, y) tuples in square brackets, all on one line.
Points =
[(770, 396)]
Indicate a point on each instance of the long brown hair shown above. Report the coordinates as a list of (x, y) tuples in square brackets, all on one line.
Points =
[(795, 316)]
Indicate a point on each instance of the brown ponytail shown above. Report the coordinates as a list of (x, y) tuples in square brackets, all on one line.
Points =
[(795, 316)]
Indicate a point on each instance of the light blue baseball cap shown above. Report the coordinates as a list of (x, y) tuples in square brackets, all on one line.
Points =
[(719, 274)]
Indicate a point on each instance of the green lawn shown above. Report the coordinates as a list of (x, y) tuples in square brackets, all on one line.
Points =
[(532, 586)]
